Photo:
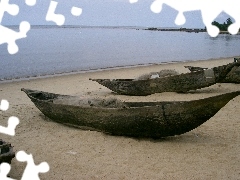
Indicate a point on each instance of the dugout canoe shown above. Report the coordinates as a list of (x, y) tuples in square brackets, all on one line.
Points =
[(194, 68), (134, 119), (6, 152), (176, 83), (232, 77)]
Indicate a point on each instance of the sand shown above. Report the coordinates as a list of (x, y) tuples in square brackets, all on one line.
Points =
[(210, 151)]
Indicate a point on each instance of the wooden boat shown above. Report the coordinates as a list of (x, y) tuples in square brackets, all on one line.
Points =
[(236, 59), (194, 68), (232, 77), (176, 83), (6, 152), (135, 119)]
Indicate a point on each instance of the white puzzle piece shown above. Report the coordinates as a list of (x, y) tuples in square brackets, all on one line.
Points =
[(133, 1), (76, 11), (4, 170), (12, 124), (31, 171), (4, 105), (59, 19), (8, 35), (12, 121), (30, 2), (12, 9)]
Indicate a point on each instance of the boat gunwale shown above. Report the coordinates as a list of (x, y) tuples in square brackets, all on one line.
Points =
[(146, 80), (161, 103), (95, 107)]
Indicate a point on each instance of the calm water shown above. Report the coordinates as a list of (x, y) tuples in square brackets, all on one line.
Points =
[(56, 50)]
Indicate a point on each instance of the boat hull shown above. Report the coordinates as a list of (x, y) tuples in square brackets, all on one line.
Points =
[(177, 83), (137, 119)]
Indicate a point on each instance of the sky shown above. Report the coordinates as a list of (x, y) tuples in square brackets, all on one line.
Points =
[(105, 13)]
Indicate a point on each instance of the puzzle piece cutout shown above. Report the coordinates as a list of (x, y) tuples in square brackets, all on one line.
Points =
[(12, 124), (4, 170), (30, 2), (76, 11), (8, 35), (12, 9), (31, 171), (59, 19), (12, 121), (209, 9), (133, 1), (4, 105)]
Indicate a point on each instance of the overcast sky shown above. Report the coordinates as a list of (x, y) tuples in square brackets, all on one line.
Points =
[(104, 13)]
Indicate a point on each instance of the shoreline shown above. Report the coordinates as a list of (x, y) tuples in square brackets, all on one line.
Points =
[(3, 81)]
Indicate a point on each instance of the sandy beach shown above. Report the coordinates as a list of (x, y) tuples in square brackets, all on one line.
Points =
[(210, 151)]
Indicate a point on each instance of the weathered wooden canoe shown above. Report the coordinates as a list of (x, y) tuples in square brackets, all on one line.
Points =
[(236, 59), (194, 68), (232, 77), (176, 83), (6, 152), (135, 119)]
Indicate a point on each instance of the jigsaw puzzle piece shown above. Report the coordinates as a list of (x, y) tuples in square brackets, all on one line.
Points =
[(76, 11), (12, 9), (4, 105), (9, 36), (30, 2), (209, 14), (212, 30), (12, 124), (180, 19), (4, 170), (231, 7), (31, 171), (133, 1), (59, 19), (12, 121)]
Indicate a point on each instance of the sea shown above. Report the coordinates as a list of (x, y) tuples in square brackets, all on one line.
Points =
[(51, 50)]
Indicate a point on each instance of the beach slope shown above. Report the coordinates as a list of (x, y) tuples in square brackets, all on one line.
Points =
[(210, 151)]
